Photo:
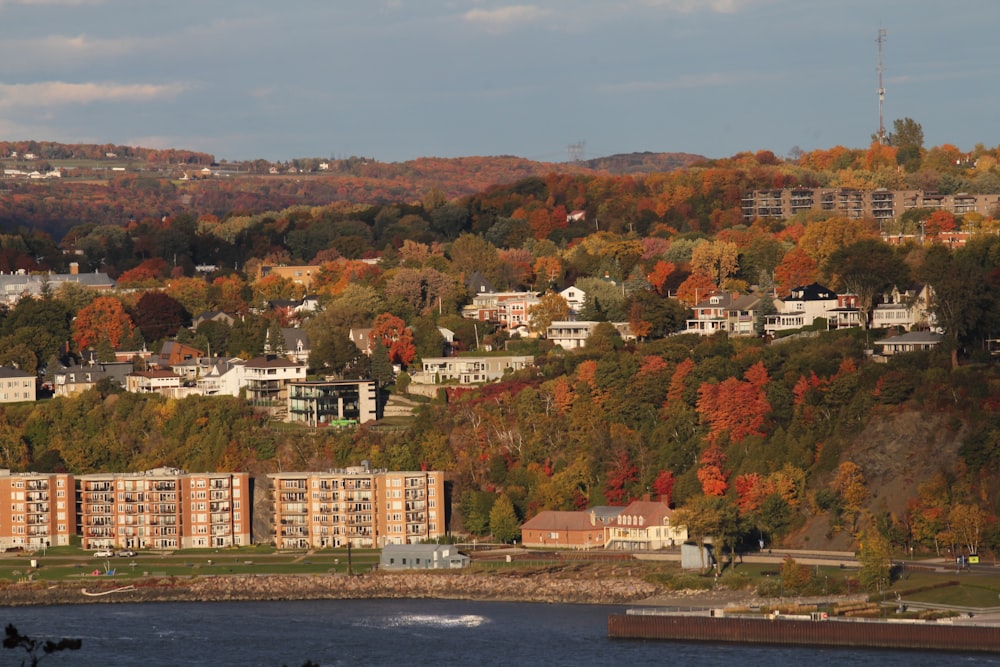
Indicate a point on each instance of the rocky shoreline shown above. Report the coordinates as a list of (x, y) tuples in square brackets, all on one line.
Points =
[(538, 587)]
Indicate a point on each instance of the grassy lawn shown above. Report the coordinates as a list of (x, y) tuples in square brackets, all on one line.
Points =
[(68, 563)]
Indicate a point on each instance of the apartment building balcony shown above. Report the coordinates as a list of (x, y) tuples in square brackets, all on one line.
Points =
[(36, 496), (219, 484), (294, 531), (162, 521), (292, 497), (164, 497), (220, 518), (218, 507)]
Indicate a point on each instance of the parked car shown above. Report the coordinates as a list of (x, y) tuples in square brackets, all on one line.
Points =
[(126, 553), (104, 553)]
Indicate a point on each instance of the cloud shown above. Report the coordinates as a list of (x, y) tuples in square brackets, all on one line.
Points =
[(504, 18), (56, 93)]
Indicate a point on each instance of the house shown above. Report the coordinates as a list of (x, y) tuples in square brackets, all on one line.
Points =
[(801, 308), (742, 315), (300, 275), (847, 314), (908, 309), (570, 335), (912, 341), (266, 379), (575, 298), (16, 385), (20, 283), (294, 344), (710, 315), (470, 369), (212, 316), (173, 353), (477, 283), (332, 402), (223, 377), (421, 557), (361, 337), (555, 529), (158, 381), (73, 380), (508, 309), (644, 525)]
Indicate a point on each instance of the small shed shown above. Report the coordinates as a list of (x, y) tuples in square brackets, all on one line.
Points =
[(697, 557), (421, 557)]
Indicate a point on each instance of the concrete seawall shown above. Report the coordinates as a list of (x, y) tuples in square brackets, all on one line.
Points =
[(444, 585)]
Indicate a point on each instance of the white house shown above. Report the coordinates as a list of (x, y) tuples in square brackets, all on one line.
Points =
[(801, 308), (574, 297)]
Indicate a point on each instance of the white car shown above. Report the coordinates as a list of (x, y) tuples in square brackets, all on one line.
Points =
[(104, 553)]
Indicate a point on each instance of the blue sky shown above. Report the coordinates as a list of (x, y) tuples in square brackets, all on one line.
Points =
[(400, 79)]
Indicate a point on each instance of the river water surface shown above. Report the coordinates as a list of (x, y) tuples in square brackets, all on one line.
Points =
[(392, 632)]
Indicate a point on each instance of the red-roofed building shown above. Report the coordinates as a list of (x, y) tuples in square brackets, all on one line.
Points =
[(644, 525), (563, 530)]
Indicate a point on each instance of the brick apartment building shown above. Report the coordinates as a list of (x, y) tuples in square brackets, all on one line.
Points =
[(38, 510), (164, 508), (363, 507)]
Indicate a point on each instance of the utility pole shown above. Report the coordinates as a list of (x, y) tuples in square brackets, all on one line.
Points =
[(883, 138)]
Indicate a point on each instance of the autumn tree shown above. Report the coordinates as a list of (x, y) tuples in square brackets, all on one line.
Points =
[(659, 275), (504, 524), (712, 473), (104, 319), (695, 288), (867, 268), (797, 268), (716, 259), (875, 559), (395, 336), (663, 486), (849, 484), (551, 307), (736, 408), (159, 316)]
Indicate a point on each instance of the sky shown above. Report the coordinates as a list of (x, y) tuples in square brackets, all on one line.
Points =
[(395, 80)]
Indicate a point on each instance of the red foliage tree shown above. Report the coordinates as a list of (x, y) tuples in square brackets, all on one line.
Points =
[(621, 474), (796, 268), (712, 473), (663, 485), (734, 407), (396, 336), (104, 319)]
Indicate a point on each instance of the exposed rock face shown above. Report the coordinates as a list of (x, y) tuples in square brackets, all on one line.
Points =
[(461, 586)]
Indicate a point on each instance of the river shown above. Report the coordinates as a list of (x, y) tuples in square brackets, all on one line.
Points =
[(392, 632)]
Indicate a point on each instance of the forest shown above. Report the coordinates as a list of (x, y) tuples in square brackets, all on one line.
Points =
[(805, 439)]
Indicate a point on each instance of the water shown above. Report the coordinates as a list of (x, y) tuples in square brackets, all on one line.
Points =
[(391, 632)]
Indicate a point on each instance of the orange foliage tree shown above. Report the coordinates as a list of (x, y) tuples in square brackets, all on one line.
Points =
[(396, 336), (695, 288), (734, 407), (104, 319), (712, 474), (658, 276), (796, 269)]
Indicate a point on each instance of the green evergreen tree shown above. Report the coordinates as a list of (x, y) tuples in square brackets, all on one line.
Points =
[(381, 368)]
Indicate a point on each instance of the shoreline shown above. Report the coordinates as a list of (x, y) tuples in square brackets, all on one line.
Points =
[(538, 588)]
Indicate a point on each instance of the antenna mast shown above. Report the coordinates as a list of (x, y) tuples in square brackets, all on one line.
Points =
[(883, 138)]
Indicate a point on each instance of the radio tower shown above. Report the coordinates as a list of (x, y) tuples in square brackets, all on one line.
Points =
[(883, 138), (576, 151)]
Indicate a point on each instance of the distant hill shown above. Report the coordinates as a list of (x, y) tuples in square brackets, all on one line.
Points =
[(643, 163)]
